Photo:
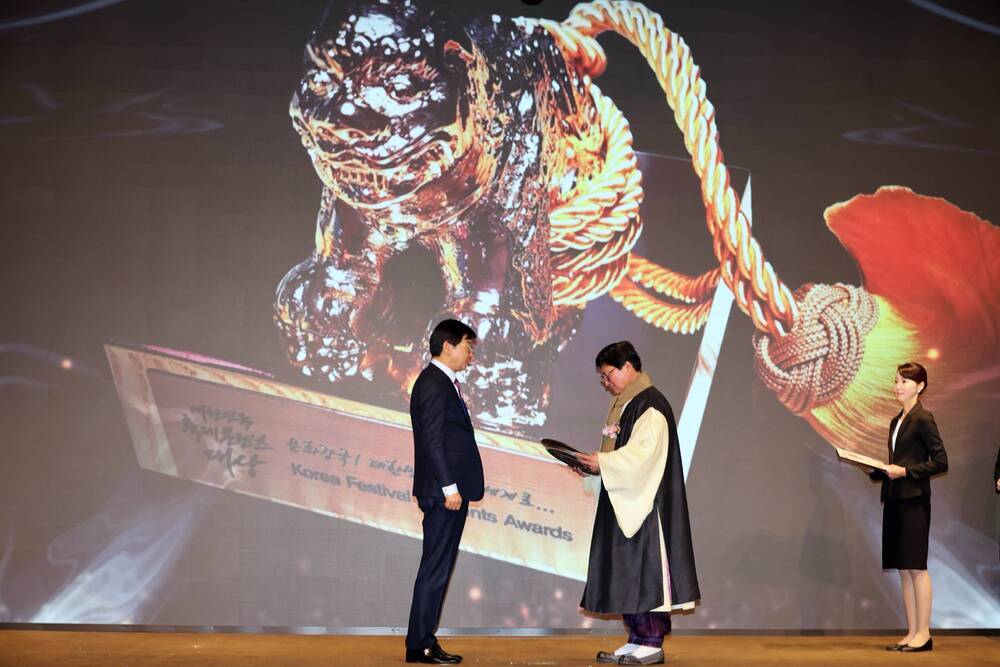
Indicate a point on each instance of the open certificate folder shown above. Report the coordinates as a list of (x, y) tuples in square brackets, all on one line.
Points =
[(861, 458), (566, 454)]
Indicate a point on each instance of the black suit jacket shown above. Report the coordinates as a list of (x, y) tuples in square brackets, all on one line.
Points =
[(920, 450), (444, 443)]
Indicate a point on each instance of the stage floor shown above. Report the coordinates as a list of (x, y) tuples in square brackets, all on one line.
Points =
[(26, 648)]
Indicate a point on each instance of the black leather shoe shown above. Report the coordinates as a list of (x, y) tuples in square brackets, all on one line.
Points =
[(895, 647), (432, 655), (441, 651), (927, 646)]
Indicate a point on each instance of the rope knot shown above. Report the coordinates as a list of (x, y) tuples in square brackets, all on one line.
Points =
[(820, 356)]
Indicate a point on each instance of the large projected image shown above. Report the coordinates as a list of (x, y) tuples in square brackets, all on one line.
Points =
[(489, 167), (501, 168)]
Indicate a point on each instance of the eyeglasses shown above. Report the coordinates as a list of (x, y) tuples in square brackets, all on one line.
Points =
[(606, 377)]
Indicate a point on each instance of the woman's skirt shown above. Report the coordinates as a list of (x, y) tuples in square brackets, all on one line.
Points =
[(906, 525)]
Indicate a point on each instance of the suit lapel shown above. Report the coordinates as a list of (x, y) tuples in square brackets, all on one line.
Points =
[(465, 406), (892, 429), (441, 375), (907, 421), (888, 444), (454, 392), (917, 409)]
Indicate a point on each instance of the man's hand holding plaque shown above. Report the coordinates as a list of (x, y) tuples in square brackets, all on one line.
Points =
[(568, 455)]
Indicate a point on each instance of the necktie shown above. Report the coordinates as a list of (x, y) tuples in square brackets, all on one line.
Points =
[(458, 388)]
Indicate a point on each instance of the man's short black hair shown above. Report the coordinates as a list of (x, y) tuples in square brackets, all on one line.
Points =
[(452, 331), (617, 354)]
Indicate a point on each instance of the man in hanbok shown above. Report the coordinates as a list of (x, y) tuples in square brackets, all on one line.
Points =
[(641, 558)]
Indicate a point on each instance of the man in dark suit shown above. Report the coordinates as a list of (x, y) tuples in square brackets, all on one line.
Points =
[(447, 474)]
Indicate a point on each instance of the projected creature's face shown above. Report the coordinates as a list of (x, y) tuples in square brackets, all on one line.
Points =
[(444, 149), (378, 106)]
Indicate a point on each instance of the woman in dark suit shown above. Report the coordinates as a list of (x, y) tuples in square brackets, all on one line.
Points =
[(996, 477), (996, 471), (915, 453)]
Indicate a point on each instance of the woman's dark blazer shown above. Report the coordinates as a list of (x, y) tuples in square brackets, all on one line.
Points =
[(920, 450), (996, 471)]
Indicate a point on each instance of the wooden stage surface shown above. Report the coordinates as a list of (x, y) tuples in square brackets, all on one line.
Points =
[(27, 648)]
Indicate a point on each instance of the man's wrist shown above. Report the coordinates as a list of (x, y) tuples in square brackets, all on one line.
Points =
[(450, 490)]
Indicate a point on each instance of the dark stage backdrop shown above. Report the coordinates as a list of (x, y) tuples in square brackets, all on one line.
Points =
[(212, 311)]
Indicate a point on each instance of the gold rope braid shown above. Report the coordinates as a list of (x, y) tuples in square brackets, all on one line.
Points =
[(674, 318), (593, 231), (758, 291), (675, 285)]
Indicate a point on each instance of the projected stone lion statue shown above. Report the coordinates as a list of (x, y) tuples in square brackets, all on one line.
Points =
[(477, 171), (442, 150)]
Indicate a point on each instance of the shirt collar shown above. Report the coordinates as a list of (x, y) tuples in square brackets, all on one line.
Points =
[(447, 371)]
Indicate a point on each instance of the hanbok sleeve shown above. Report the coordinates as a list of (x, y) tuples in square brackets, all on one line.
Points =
[(632, 473)]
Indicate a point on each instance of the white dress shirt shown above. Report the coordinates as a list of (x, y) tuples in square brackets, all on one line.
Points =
[(895, 432)]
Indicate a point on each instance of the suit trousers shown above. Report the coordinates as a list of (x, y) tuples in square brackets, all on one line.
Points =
[(442, 534)]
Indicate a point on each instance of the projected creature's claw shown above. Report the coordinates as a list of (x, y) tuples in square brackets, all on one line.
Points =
[(313, 309), (508, 383)]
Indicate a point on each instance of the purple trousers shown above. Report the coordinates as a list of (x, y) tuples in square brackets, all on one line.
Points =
[(648, 628)]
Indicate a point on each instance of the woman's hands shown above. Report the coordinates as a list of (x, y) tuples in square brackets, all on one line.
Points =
[(894, 471)]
